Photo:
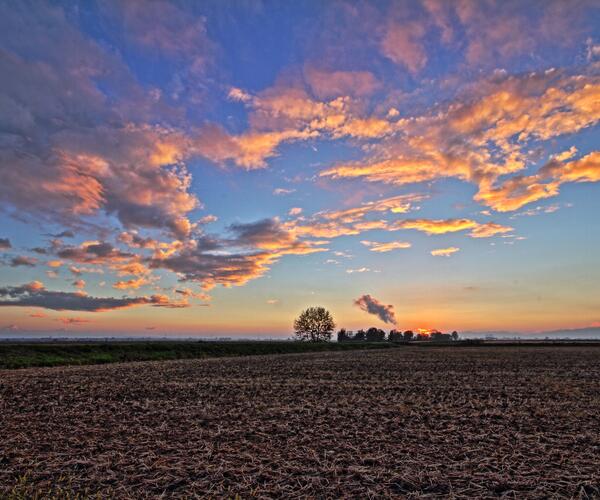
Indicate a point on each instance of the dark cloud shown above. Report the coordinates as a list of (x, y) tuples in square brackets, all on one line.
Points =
[(259, 232), (372, 306), (36, 295), (21, 260), (39, 250), (63, 234), (248, 255), (5, 244), (211, 269), (93, 253)]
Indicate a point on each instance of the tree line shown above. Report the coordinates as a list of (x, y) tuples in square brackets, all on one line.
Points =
[(316, 324), (378, 335)]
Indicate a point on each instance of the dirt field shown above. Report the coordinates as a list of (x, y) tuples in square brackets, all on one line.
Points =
[(479, 421)]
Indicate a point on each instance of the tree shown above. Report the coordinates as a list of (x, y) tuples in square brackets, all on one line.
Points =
[(454, 335), (375, 335), (408, 335), (359, 336), (395, 336), (342, 336), (314, 324)]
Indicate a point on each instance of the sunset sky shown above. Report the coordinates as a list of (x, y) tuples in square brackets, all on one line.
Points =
[(213, 168)]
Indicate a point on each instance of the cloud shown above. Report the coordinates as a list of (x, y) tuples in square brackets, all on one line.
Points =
[(62, 234), (35, 294), (22, 260), (283, 191), (83, 145), (238, 95), (484, 136), (294, 211), (207, 219), (371, 305), (132, 284), (73, 321), (489, 229), (402, 44), (234, 261), (444, 252), (163, 26), (375, 246), (79, 284), (327, 84), (101, 253), (5, 244), (358, 270), (249, 150), (353, 221)]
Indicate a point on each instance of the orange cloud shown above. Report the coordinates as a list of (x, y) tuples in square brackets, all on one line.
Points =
[(444, 252), (79, 284), (403, 44), (485, 138), (132, 284), (375, 246), (327, 84), (435, 226)]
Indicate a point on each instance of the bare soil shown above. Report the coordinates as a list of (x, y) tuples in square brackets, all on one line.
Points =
[(483, 422)]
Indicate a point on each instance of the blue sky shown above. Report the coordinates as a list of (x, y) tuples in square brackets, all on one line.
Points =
[(214, 168)]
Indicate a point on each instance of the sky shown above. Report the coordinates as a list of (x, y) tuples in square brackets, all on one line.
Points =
[(213, 168)]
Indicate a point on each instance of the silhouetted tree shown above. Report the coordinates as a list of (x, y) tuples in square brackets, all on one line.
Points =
[(314, 324), (454, 335), (342, 336), (360, 335), (395, 336), (408, 335), (375, 335)]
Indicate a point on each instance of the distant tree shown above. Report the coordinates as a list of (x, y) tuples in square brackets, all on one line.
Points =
[(375, 335), (454, 335), (395, 336), (360, 335), (314, 324), (342, 336), (408, 335)]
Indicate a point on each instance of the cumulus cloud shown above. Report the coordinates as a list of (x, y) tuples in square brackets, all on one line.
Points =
[(77, 148), (35, 294), (5, 244), (371, 305)]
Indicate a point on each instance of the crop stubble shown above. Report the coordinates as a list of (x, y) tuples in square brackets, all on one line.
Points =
[(478, 421)]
